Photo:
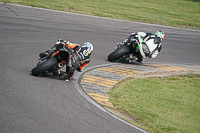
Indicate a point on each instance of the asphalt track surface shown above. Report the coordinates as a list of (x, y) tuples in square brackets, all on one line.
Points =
[(48, 105)]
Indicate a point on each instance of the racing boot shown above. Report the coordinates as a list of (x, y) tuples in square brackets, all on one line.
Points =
[(140, 58), (66, 77), (70, 72)]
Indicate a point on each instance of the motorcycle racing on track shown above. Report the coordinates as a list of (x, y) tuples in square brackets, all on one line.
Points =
[(64, 53), (137, 47)]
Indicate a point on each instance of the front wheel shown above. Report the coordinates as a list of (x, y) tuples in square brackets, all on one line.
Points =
[(44, 66), (119, 52)]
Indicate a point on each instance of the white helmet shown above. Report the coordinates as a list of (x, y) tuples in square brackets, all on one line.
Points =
[(89, 47), (160, 34)]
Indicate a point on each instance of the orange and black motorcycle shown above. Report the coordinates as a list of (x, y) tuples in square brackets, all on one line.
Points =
[(52, 63)]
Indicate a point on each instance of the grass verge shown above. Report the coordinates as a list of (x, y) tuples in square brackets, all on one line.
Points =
[(162, 104), (176, 13)]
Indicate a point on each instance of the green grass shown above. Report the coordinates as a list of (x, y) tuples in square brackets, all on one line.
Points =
[(162, 105), (176, 13)]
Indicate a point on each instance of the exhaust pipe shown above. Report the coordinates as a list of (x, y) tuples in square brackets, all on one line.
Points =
[(56, 71), (60, 65)]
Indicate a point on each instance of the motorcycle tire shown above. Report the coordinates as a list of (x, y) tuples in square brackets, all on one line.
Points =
[(44, 66), (119, 52)]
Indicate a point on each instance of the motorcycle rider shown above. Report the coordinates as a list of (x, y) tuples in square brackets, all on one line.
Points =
[(139, 39), (79, 56)]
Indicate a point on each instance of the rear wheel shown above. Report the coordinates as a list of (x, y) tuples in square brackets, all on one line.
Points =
[(44, 66), (119, 52)]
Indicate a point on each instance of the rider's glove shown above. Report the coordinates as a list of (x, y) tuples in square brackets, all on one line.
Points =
[(142, 34), (61, 41), (133, 33)]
